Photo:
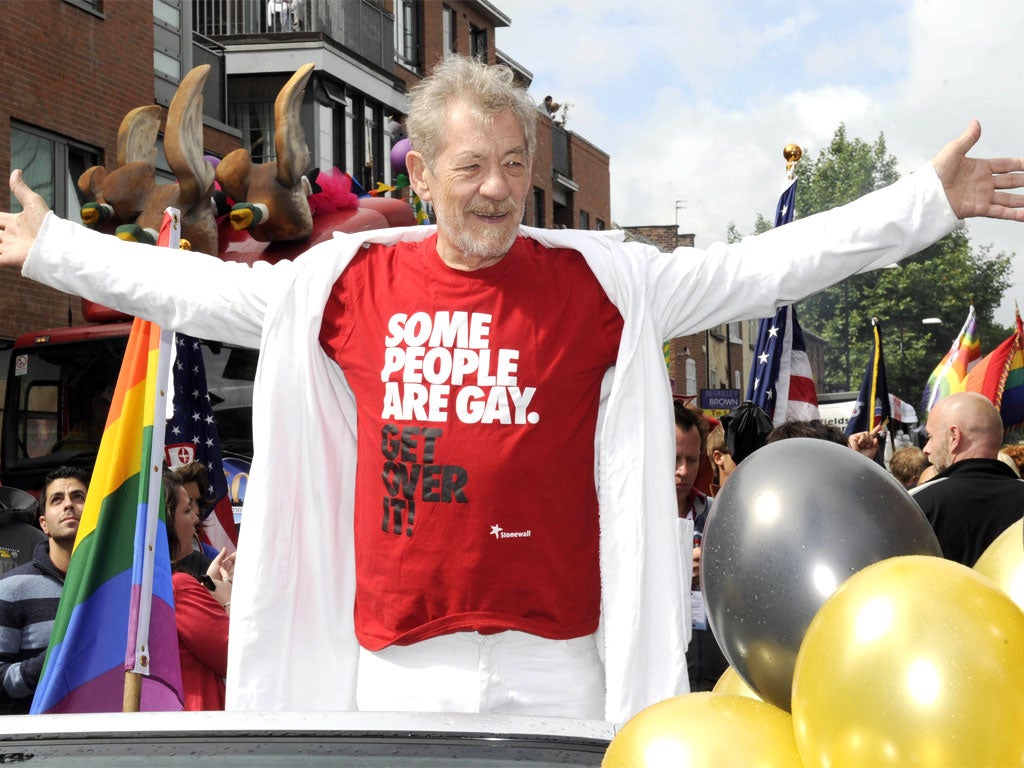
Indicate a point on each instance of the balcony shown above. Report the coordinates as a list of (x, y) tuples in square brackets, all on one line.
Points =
[(361, 26)]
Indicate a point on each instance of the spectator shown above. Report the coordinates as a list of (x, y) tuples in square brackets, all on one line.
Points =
[(201, 605), (813, 428), (476, 358), (721, 459), (195, 480), (30, 594), (690, 439), (974, 497), (906, 465), (1016, 452), (743, 431)]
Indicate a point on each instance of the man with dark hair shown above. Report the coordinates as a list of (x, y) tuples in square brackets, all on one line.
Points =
[(690, 437), (813, 428), (30, 594)]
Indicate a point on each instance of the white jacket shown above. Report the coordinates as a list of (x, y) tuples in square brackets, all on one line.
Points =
[(292, 641)]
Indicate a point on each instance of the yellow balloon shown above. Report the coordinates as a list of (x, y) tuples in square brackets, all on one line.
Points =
[(913, 661), (731, 682), (1003, 562), (705, 729)]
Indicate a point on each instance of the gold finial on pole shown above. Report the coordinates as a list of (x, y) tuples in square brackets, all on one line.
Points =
[(792, 153)]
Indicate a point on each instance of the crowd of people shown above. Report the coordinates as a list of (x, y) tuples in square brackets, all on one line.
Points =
[(30, 593), (966, 481), (507, 384)]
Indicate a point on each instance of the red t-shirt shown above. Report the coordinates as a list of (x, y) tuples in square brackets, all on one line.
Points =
[(477, 397)]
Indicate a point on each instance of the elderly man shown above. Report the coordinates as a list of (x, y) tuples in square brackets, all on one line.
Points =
[(974, 497), (461, 494)]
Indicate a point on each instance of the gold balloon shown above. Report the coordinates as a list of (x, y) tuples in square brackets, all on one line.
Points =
[(1003, 562), (913, 661), (731, 682), (705, 729)]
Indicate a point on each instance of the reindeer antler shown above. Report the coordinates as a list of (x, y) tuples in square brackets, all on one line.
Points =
[(183, 140), (289, 140)]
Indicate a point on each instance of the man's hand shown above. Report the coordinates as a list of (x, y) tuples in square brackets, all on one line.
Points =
[(18, 230), (866, 443), (975, 187)]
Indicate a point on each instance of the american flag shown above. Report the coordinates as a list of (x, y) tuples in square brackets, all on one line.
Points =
[(780, 378), (192, 436)]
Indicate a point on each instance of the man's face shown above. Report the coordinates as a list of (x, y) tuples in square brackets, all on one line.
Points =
[(937, 449), (687, 459), (62, 509), (478, 186)]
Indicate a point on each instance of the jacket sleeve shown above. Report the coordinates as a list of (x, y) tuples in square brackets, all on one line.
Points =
[(20, 674), (180, 290), (202, 623), (692, 289)]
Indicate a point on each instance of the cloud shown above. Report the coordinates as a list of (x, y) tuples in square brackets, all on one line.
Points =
[(694, 101)]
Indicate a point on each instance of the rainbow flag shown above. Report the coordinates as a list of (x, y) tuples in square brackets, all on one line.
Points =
[(116, 612), (1000, 377), (950, 374)]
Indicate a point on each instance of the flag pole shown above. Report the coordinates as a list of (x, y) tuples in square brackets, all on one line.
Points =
[(132, 692), (170, 236)]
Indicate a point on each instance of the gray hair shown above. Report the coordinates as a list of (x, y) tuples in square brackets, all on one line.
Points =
[(489, 90)]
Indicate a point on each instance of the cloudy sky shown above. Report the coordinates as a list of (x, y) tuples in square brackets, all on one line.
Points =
[(695, 99)]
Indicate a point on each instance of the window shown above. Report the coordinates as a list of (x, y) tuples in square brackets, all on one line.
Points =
[(255, 119), (373, 169), (735, 332), (325, 131), (168, 53), (448, 40), (92, 5), (600, 225), (350, 132), (736, 379), (478, 43), (691, 377), (52, 165), (407, 42), (538, 207), (584, 220)]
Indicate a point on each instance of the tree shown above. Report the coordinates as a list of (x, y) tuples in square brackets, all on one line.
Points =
[(942, 281)]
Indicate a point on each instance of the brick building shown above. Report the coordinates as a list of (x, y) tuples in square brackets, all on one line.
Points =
[(74, 68)]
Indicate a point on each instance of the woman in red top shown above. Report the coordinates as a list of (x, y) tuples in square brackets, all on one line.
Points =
[(202, 602)]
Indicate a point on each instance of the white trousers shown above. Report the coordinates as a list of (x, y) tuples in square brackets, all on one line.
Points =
[(508, 673)]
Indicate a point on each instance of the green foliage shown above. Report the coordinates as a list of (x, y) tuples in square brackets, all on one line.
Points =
[(942, 281)]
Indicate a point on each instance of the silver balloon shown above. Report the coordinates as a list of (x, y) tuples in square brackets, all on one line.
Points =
[(796, 519)]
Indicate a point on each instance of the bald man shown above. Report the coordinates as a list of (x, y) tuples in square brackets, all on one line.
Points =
[(974, 497)]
